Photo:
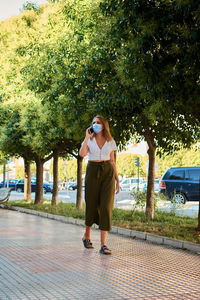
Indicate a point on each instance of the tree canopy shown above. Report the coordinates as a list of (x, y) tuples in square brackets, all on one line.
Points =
[(135, 62)]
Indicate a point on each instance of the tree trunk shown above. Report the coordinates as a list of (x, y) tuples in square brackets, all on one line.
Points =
[(151, 175), (27, 181), (54, 200), (39, 181), (79, 183)]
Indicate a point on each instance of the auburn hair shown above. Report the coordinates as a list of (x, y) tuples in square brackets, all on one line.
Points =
[(106, 130)]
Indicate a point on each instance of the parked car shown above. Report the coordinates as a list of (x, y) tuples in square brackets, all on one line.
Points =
[(72, 186), (12, 183), (61, 186), (19, 187), (181, 184), (130, 183), (156, 186)]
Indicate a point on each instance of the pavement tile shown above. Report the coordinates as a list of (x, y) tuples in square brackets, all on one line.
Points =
[(45, 259)]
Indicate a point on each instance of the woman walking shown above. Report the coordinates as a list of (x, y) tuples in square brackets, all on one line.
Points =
[(100, 179)]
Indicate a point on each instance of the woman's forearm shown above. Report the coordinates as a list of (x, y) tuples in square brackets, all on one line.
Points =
[(115, 170), (117, 188), (84, 148)]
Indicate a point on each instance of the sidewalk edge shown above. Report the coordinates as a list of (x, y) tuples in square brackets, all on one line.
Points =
[(156, 239)]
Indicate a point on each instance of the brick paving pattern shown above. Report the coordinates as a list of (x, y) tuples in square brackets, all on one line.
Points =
[(45, 259)]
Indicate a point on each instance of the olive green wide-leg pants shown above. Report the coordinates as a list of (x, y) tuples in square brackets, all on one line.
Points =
[(99, 194)]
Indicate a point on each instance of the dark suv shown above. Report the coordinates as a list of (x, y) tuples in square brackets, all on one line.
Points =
[(12, 183), (19, 187), (181, 184)]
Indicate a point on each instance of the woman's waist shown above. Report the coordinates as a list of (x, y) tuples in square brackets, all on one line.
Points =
[(98, 162), (98, 156)]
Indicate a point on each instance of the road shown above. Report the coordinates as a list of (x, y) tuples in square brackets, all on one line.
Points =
[(123, 200)]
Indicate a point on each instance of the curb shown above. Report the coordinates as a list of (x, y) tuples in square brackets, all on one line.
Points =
[(152, 238)]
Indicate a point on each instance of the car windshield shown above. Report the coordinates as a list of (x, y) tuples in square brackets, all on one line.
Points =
[(125, 181)]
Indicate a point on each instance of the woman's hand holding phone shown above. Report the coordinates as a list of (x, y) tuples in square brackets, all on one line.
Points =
[(89, 132)]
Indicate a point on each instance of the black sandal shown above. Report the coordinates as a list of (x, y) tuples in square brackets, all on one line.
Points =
[(104, 250), (87, 244)]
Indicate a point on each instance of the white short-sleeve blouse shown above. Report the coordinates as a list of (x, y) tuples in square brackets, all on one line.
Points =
[(95, 153)]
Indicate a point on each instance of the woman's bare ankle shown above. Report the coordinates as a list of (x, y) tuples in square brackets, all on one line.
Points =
[(86, 237)]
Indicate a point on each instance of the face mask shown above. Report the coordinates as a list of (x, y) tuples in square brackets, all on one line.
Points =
[(97, 127)]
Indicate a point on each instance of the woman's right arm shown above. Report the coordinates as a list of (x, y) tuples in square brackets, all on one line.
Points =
[(84, 148)]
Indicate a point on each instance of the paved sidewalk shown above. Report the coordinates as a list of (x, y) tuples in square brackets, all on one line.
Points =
[(45, 259)]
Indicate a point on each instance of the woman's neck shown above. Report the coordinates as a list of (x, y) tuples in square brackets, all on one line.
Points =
[(99, 135)]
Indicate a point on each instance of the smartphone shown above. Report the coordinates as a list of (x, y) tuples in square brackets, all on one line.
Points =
[(91, 130)]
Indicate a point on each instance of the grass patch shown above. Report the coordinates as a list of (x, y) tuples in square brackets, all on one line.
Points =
[(165, 224), (62, 209)]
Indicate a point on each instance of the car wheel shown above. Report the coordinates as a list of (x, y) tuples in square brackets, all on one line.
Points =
[(44, 191), (179, 198), (19, 190)]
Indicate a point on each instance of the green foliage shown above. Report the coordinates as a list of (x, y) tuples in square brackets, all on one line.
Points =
[(3, 158), (135, 62), (29, 6), (72, 169), (19, 172), (126, 165), (33, 169), (61, 169), (150, 68), (140, 200), (1, 170), (182, 158), (69, 166)]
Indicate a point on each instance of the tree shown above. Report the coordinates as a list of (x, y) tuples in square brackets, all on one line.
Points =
[(124, 61), (29, 6), (138, 54), (15, 38), (35, 135), (51, 73), (11, 144)]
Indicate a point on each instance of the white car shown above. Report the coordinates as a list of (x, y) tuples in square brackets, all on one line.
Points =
[(156, 186), (129, 184)]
